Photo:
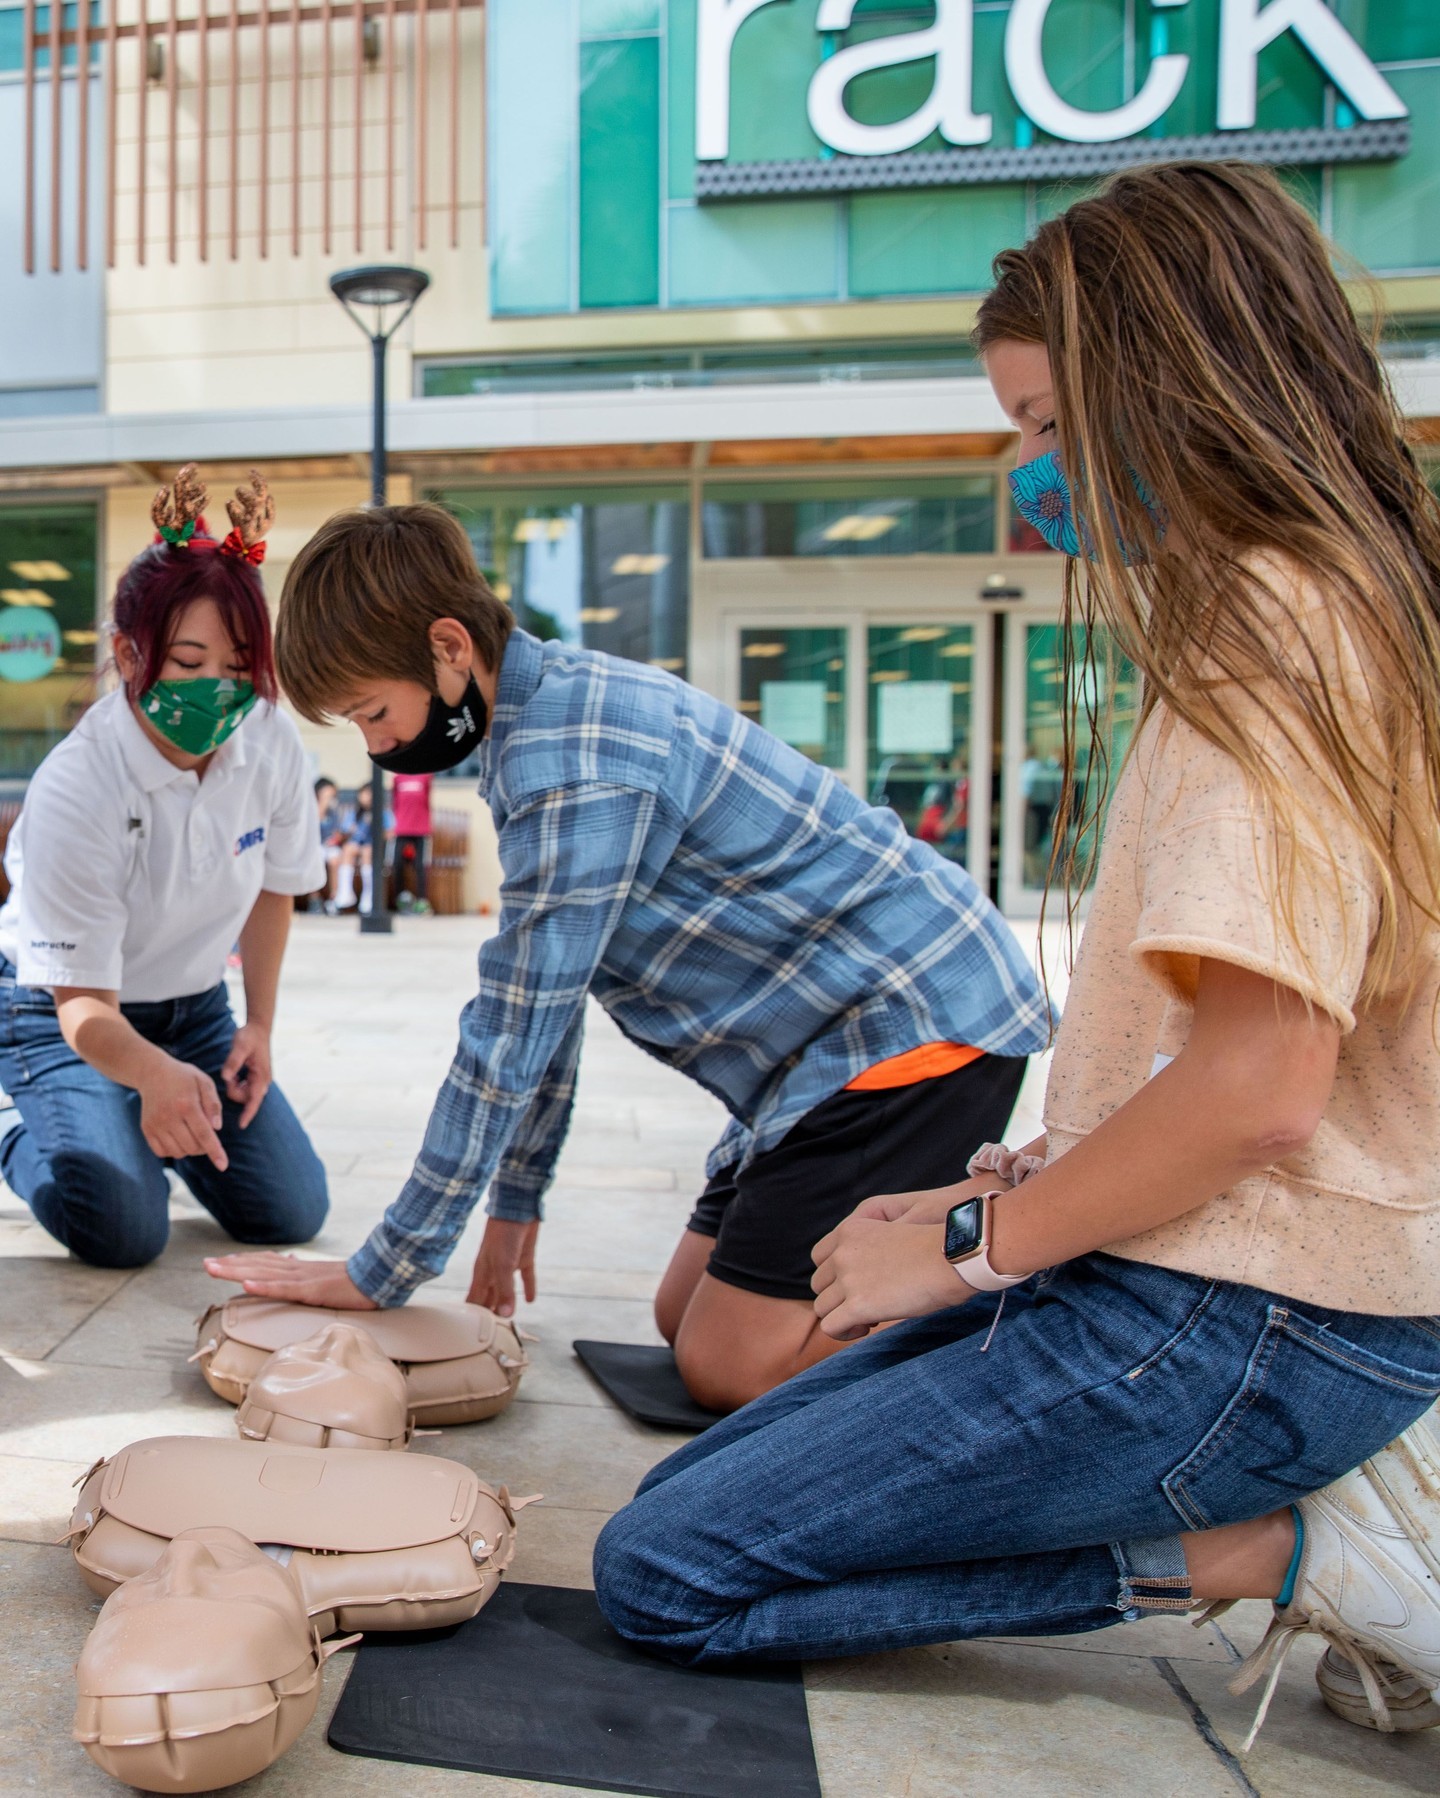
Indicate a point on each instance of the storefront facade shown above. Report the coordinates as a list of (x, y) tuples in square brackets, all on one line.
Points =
[(694, 369), (799, 164)]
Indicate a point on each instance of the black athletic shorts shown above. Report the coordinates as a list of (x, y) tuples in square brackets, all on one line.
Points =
[(766, 1220)]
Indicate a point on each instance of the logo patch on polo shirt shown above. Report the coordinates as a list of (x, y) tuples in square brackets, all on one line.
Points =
[(250, 839)]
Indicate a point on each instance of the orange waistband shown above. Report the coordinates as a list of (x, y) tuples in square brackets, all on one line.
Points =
[(925, 1063)]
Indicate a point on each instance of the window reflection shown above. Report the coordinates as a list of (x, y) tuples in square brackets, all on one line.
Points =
[(827, 518), (606, 569), (1040, 776), (918, 743), (49, 639)]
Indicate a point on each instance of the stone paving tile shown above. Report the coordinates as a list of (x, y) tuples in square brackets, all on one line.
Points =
[(1303, 1750), (44, 1299), (22, 1239), (1174, 1637), (582, 1457), (557, 1319), (555, 1546), (85, 1413), (986, 1718), (45, 1614), (150, 1323), (585, 1228), (36, 1499)]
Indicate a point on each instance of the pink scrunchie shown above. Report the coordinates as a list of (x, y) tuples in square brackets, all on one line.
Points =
[(1013, 1165)]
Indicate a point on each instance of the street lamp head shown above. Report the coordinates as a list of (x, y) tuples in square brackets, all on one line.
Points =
[(379, 285), (383, 286)]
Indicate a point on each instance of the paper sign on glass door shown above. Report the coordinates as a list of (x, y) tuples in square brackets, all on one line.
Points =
[(794, 711), (916, 718)]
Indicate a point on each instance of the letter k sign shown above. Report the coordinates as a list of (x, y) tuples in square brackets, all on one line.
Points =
[(1246, 27)]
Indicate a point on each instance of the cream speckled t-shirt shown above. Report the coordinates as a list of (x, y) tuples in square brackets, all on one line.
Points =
[(1353, 1220)]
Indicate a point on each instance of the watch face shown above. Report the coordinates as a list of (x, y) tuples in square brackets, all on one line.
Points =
[(964, 1229)]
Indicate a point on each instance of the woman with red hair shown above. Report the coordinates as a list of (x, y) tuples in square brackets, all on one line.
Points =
[(175, 819)]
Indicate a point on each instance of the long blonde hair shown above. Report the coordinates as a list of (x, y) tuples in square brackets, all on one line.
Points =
[(1202, 347)]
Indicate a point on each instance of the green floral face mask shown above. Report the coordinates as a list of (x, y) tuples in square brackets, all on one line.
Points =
[(197, 716)]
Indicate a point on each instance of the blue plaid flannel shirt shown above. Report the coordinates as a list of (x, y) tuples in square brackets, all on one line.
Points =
[(738, 912)]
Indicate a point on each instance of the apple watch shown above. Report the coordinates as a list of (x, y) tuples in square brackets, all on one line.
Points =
[(967, 1244)]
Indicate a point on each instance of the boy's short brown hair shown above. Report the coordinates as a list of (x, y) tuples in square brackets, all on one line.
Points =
[(361, 596)]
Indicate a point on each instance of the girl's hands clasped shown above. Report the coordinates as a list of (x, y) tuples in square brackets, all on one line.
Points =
[(887, 1261), (869, 1271)]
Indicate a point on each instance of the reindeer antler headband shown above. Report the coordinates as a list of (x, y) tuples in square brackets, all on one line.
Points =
[(178, 513)]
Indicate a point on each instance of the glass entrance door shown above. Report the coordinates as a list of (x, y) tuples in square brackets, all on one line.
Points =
[(792, 683), (919, 734), (890, 701)]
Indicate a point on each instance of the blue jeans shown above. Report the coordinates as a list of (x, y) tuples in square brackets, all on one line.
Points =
[(917, 1487), (80, 1162)]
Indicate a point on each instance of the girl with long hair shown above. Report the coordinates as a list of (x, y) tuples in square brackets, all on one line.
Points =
[(176, 819), (1179, 1350)]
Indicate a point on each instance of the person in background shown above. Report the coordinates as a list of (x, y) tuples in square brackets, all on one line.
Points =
[(1040, 783), (413, 830), (176, 819), (944, 820), (332, 837), (355, 856)]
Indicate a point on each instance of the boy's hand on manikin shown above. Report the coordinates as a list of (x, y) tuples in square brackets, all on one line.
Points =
[(267, 1275)]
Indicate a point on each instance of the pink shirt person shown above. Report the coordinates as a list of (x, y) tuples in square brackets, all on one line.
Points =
[(411, 796)]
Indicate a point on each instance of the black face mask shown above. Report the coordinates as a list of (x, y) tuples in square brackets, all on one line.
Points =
[(449, 734)]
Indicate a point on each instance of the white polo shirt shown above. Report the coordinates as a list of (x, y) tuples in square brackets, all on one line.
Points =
[(132, 875)]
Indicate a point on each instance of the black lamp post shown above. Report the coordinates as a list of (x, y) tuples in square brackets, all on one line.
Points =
[(390, 294)]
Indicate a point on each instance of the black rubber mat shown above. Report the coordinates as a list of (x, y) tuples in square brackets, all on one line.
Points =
[(539, 1686), (645, 1382)]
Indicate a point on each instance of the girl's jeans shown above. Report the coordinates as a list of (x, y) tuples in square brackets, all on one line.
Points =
[(917, 1487), (82, 1165)]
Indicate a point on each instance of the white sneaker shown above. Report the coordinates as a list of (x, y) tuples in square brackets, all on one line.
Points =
[(1409, 1703), (1369, 1580)]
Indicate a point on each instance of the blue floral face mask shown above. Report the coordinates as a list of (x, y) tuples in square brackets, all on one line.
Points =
[(1043, 498)]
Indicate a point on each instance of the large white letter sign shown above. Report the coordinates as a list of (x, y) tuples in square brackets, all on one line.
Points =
[(718, 22), (950, 108), (1037, 99), (1245, 30)]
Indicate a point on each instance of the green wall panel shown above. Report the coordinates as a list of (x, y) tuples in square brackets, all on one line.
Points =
[(1393, 30), (680, 99), (783, 250), (604, 18), (532, 137), (620, 172), (767, 114), (1386, 213), (936, 242)]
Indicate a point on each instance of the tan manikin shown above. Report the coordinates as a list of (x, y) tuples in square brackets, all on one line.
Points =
[(193, 1678), (200, 1672), (461, 1363)]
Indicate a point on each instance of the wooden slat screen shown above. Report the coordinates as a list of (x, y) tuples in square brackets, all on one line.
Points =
[(141, 49)]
